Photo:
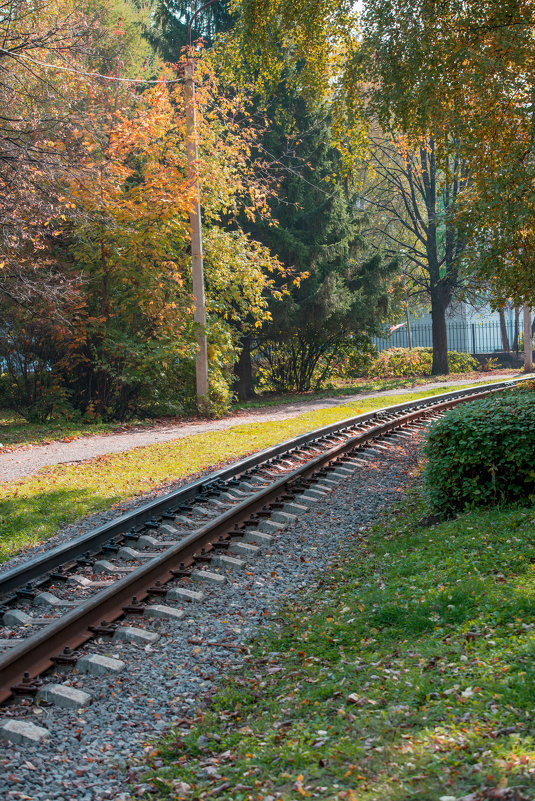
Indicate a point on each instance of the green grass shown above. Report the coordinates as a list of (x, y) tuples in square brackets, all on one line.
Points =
[(17, 432), (32, 509), (405, 675), (341, 389)]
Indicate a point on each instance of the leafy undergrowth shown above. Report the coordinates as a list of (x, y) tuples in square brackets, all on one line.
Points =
[(32, 509), (407, 674), (482, 452)]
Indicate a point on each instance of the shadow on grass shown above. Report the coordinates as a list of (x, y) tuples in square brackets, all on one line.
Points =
[(378, 385), (27, 521)]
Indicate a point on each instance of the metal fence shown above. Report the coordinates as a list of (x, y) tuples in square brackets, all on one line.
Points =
[(462, 337)]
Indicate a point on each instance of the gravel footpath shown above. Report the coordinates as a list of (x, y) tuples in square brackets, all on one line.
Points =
[(25, 462), (98, 752)]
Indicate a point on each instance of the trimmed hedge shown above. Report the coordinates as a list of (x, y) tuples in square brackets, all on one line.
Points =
[(402, 362), (483, 452)]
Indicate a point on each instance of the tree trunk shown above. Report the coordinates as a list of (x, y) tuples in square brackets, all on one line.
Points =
[(528, 340), (517, 325), (243, 371), (440, 339), (407, 314), (440, 300), (503, 330)]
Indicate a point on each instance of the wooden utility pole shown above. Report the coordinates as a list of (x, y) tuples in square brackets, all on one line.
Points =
[(197, 267), (528, 340)]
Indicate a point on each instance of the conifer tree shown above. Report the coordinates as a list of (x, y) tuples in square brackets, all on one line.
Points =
[(342, 295)]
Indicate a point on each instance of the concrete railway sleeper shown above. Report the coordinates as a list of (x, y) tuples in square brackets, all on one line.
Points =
[(119, 588)]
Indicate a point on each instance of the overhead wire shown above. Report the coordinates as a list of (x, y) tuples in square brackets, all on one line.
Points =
[(98, 75), (82, 73), (294, 172)]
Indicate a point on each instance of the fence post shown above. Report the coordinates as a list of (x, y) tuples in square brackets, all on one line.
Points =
[(473, 338)]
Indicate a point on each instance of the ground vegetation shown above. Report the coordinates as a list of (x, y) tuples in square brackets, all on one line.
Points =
[(32, 509), (403, 674), (417, 361)]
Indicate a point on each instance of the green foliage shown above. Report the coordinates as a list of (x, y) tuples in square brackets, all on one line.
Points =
[(358, 361), (396, 362), (482, 452), (341, 293), (166, 28), (286, 367), (169, 389), (489, 363), (353, 359), (475, 76)]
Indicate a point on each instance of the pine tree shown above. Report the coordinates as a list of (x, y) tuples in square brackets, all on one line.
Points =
[(317, 235), (167, 32)]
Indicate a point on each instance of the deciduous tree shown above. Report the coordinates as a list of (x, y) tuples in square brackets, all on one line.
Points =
[(413, 193), (132, 237)]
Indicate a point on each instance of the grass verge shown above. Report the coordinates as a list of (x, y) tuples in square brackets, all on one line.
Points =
[(369, 385), (340, 389), (16, 432), (406, 674), (34, 508)]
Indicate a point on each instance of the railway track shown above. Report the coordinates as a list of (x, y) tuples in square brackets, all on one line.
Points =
[(120, 581)]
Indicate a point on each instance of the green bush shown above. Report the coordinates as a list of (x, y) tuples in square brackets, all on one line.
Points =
[(360, 360), (462, 362), (481, 453), (402, 362)]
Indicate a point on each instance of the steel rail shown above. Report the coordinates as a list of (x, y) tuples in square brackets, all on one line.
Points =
[(36, 653), (91, 542)]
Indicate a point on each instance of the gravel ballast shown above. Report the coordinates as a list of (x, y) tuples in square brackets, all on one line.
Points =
[(97, 752)]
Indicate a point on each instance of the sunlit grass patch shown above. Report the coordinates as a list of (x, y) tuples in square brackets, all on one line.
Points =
[(16, 431), (340, 389), (370, 385), (406, 674)]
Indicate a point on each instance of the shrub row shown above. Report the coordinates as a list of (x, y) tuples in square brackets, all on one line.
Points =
[(402, 362), (483, 452)]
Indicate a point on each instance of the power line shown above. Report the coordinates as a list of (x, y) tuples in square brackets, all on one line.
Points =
[(294, 172), (83, 74)]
